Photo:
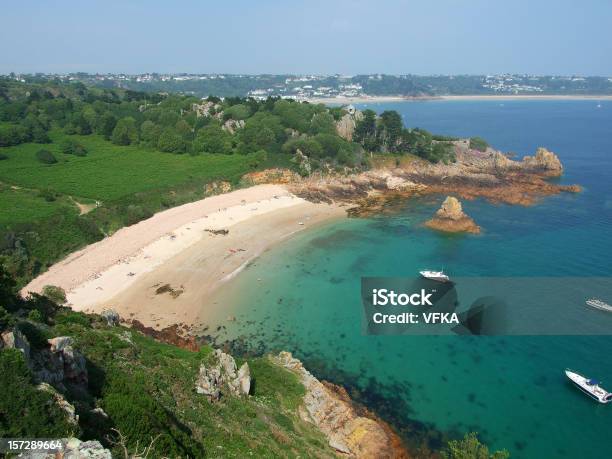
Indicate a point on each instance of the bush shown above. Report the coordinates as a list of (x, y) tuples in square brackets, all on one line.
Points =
[(471, 448), (54, 293), (72, 147), (35, 316), (6, 320), (46, 157), (24, 410), (478, 143), (3, 157)]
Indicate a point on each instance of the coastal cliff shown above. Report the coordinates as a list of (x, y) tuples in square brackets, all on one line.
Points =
[(450, 218)]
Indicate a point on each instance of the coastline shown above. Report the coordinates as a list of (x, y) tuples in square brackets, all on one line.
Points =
[(175, 251), (386, 99)]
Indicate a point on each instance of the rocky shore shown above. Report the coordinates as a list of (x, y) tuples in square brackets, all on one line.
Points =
[(488, 174)]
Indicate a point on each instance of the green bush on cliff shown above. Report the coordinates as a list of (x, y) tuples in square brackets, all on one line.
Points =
[(26, 411), (478, 143), (471, 448)]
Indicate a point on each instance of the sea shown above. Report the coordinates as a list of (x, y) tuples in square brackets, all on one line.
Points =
[(303, 295)]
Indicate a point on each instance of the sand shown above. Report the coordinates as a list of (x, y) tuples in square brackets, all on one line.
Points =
[(173, 250)]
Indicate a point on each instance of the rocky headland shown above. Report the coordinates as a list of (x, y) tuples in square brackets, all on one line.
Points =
[(450, 218), (489, 174)]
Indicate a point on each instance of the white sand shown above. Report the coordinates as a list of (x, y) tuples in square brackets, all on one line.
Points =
[(123, 271)]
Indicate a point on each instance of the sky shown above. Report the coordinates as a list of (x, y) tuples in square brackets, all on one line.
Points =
[(544, 37)]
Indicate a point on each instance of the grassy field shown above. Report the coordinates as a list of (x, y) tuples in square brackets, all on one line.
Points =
[(39, 217), (110, 172)]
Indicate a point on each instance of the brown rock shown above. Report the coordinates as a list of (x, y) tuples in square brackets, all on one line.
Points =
[(451, 218), (331, 410), (543, 161)]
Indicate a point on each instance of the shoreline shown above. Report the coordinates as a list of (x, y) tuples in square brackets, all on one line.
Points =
[(387, 99), (162, 270)]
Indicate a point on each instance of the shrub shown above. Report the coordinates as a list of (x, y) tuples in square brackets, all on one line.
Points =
[(54, 293), (6, 320), (35, 316), (478, 143), (3, 157), (72, 147), (24, 410), (45, 157), (471, 448)]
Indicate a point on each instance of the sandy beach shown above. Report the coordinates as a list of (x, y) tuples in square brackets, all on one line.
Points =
[(387, 99), (162, 270)]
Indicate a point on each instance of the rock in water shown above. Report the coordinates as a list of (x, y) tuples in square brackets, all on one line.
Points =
[(221, 376), (451, 218), (543, 161)]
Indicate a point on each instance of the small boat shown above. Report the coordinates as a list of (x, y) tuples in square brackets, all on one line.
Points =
[(598, 304), (435, 275), (589, 386)]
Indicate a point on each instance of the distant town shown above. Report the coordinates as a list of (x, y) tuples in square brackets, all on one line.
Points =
[(305, 87)]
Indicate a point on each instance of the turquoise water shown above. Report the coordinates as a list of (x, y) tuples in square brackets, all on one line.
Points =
[(304, 295)]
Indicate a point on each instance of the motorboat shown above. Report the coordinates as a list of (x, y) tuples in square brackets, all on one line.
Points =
[(589, 386), (598, 304), (435, 275)]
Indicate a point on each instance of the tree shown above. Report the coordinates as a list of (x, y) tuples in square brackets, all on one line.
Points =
[(365, 131), (107, 124), (171, 141), (125, 132), (183, 129), (213, 139), (149, 133), (471, 448), (391, 129), (237, 112), (257, 158), (322, 123)]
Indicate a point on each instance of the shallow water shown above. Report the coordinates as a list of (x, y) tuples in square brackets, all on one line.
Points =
[(304, 295)]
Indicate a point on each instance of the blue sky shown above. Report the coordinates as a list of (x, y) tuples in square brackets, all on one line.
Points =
[(275, 36)]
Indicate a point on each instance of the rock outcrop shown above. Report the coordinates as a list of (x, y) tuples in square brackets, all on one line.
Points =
[(232, 125), (59, 399), (220, 376), (14, 339), (345, 126), (346, 430), (111, 316), (73, 449), (544, 161), (60, 364), (450, 218)]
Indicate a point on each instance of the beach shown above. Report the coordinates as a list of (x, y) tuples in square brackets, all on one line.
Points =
[(388, 99), (162, 270)]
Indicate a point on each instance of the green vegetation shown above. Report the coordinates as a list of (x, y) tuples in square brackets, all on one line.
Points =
[(147, 390), (477, 143), (471, 448), (123, 153)]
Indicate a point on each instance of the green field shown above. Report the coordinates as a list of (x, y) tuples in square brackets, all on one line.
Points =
[(110, 172)]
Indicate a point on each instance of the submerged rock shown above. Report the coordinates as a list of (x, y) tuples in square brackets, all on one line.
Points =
[(451, 218), (221, 376)]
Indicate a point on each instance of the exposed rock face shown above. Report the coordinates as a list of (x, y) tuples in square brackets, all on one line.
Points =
[(205, 108), (346, 431), (281, 176), (345, 126), (543, 161), (217, 187), (221, 376), (451, 218), (60, 364), (59, 399), (111, 316), (14, 339), (74, 449), (232, 126)]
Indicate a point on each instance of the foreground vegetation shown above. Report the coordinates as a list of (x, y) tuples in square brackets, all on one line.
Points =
[(77, 163), (141, 392)]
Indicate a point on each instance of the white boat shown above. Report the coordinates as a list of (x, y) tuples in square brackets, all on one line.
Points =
[(598, 304), (589, 387), (435, 275)]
